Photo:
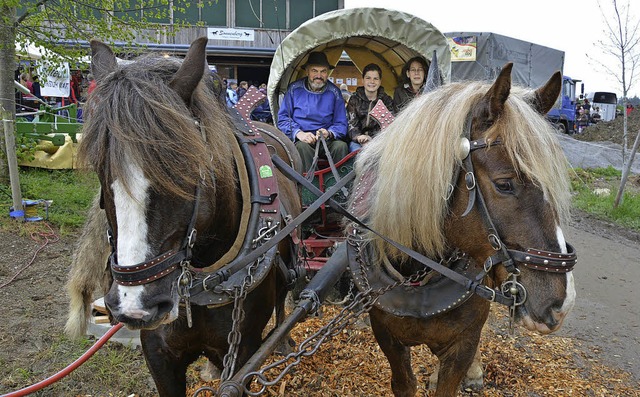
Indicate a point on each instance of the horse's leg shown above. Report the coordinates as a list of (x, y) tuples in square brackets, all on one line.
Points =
[(210, 372), (458, 353), (285, 346), (473, 379), (167, 366), (475, 375), (403, 381)]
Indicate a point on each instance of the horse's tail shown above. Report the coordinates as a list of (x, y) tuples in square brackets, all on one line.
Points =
[(89, 272)]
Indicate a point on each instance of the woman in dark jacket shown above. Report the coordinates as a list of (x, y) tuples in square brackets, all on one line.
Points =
[(414, 77), (363, 127)]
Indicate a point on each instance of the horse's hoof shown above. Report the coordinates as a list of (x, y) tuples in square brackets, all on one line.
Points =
[(472, 385), (285, 347), (209, 372), (433, 380)]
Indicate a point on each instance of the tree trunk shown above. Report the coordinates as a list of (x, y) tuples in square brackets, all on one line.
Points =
[(626, 171), (7, 68)]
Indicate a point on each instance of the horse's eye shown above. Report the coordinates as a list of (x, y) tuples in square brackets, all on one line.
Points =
[(504, 185)]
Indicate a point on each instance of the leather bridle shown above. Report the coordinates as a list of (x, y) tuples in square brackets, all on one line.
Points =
[(163, 264), (532, 258)]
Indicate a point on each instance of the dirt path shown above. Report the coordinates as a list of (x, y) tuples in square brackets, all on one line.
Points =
[(606, 317), (605, 323)]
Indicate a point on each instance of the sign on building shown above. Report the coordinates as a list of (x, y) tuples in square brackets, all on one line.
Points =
[(230, 34)]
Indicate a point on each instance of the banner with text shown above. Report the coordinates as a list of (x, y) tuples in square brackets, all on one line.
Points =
[(230, 34), (54, 79)]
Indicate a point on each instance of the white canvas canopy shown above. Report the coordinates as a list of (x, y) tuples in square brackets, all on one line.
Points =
[(31, 51), (387, 37), (28, 50)]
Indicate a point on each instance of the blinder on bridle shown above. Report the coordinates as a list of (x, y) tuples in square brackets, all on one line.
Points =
[(532, 258)]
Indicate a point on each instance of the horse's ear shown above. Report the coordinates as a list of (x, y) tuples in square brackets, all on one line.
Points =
[(547, 95), (103, 60), (499, 92), (186, 79)]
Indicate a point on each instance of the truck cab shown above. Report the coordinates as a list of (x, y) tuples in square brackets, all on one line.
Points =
[(563, 114)]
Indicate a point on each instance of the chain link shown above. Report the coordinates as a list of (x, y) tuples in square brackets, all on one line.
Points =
[(234, 338), (347, 317)]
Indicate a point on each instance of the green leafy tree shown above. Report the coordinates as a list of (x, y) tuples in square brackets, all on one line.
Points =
[(62, 26)]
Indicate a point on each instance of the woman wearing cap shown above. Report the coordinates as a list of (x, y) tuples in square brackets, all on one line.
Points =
[(313, 106)]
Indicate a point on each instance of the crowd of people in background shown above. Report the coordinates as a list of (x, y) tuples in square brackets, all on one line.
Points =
[(80, 86), (586, 114)]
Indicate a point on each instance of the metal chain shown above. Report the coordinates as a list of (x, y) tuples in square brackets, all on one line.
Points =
[(234, 338), (347, 317)]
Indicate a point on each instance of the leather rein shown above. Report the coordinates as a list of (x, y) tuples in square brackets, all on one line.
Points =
[(511, 293)]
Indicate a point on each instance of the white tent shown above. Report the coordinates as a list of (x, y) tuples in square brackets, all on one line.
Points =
[(32, 51)]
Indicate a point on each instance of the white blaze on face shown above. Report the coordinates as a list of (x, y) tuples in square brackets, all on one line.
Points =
[(132, 234), (571, 290)]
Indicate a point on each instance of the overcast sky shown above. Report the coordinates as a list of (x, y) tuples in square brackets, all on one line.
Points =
[(572, 26)]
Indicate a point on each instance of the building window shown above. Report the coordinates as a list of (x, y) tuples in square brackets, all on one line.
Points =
[(269, 14), (189, 14), (302, 12), (214, 13), (323, 6)]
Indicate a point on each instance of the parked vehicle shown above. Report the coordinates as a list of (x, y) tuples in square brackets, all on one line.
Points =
[(564, 115), (605, 103)]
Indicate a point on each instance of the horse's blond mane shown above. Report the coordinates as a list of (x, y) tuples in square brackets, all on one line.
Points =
[(134, 116), (414, 160)]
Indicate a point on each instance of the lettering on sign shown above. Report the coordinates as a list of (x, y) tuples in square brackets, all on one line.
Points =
[(230, 34)]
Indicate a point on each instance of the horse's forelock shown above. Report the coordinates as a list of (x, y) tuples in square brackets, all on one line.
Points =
[(136, 115), (415, 160), (535, 151)]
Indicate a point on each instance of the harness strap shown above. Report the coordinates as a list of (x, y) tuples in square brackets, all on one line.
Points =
[(146, 272), (474, 286), (552, 262), (240, 263)]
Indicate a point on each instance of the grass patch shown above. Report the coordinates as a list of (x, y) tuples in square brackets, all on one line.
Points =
[(70, 191), (594, 191)]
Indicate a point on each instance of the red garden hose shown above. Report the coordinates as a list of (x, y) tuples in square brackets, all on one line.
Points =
[(52, 379)]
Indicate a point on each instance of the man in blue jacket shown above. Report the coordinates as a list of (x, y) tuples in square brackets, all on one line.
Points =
[(313, 106)]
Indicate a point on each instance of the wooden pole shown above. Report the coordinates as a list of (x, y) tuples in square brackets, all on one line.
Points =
[(12, 160)]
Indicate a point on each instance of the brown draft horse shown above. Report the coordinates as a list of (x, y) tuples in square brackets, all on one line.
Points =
[(168, 160), (420, 185)]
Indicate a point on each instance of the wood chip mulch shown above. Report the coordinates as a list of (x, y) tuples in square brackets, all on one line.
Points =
[(524, 364)]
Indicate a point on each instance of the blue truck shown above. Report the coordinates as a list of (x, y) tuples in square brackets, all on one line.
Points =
[(564, 115)]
